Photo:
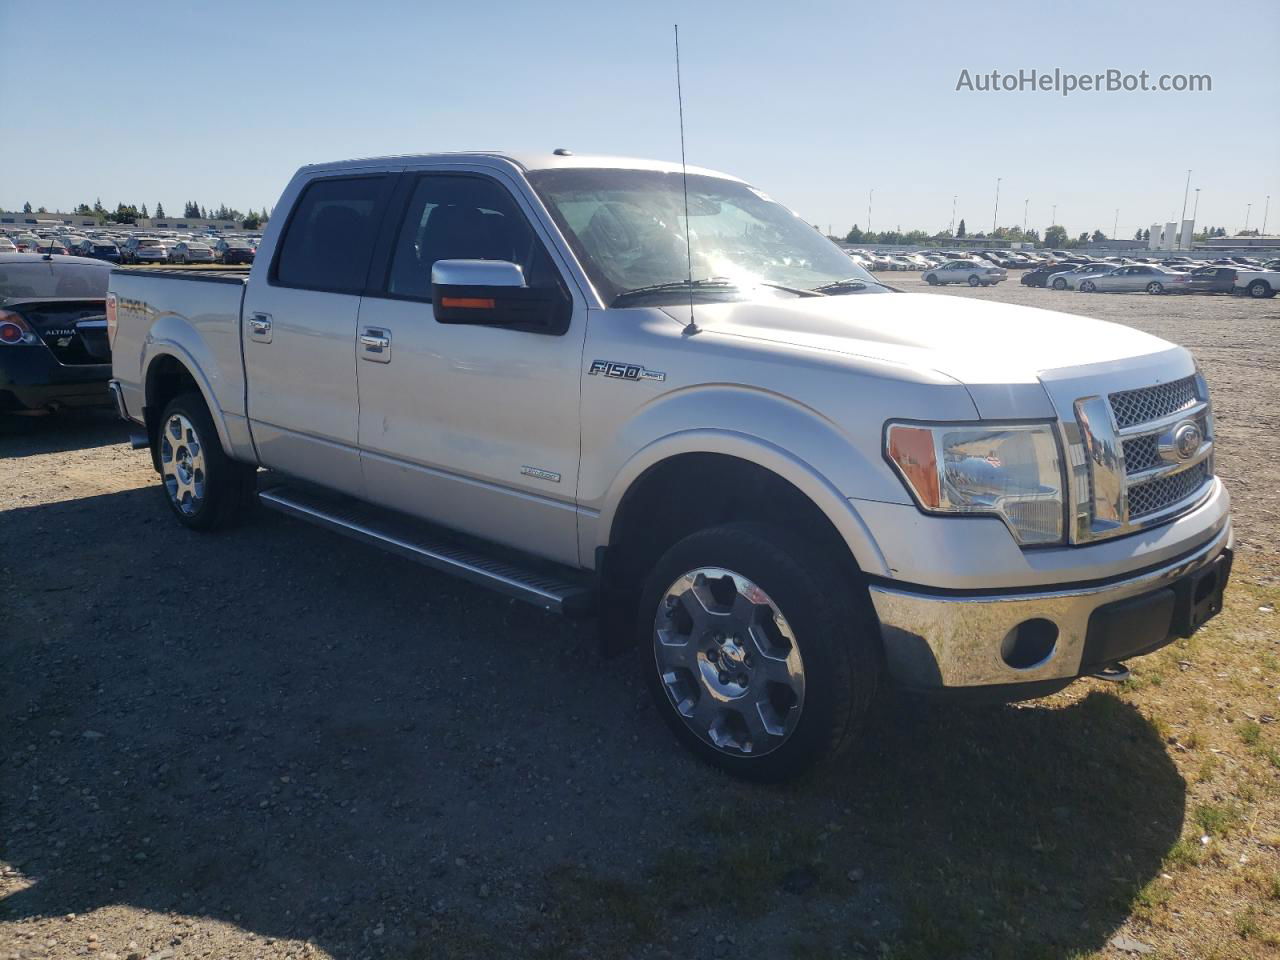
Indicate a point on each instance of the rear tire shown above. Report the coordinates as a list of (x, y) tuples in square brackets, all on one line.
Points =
[(974, 280), (1087, 287), (204, 487), (1155, 288), (1059, 284), (1259, 289), (759, 655)]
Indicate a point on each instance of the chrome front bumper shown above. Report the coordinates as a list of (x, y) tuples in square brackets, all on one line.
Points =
[(953, 639)]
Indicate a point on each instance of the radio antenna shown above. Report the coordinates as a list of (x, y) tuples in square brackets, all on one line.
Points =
[(692, 327)]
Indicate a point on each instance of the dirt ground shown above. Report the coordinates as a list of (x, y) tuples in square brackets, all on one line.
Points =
[(277, 743)]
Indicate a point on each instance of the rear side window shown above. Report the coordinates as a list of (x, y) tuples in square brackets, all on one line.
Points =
[(328, 241)]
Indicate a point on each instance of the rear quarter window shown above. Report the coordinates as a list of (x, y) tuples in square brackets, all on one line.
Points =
[(329, 238)]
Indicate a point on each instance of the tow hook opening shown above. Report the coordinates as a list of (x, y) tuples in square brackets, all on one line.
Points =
[(1030, 643), (1115, 672)]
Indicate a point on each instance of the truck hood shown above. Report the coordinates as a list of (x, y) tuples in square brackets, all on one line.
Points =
[(975, 342)]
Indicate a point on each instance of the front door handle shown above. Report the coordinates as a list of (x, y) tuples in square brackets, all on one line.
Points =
[(260, 327), (375, 344)]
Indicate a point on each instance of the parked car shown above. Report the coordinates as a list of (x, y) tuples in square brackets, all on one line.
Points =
[(144, 250), (50, 246), (1061, 279), (1212, 279), (7, 245), (1142, 276), (779, 495), (1258, 283), (972, 272), (230, 251), (54, 350), (189, 251), (1039, 276)]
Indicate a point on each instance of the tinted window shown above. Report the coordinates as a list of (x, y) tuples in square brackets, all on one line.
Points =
[(327, 243), (463, 218), (43, 279)]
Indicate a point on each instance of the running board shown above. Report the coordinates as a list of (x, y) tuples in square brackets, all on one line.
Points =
[(413, 539)]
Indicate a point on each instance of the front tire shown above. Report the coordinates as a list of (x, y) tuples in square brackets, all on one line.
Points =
[(931, 280), (974, 280), (758, 654), (1155, 288), (1059, 284), (204, 487), (1087, 287), (1260, 289)]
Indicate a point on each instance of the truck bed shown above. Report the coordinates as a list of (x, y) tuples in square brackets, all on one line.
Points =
[(158, 309)]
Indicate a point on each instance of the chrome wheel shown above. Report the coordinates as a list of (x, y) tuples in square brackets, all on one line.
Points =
[(182, 464), (728, 661), (1155, 287)]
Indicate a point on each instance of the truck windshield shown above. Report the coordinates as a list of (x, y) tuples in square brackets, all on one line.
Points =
[(627, 228)]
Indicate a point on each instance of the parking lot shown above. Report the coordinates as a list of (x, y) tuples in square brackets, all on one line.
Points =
[(275, 742)]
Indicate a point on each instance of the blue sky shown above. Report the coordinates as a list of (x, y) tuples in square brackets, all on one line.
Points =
[(817, 103)]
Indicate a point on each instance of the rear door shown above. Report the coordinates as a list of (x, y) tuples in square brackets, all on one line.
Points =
[(299, 330), (474, 427)]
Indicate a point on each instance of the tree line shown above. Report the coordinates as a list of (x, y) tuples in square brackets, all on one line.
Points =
[(1055, 236), (129, 213)]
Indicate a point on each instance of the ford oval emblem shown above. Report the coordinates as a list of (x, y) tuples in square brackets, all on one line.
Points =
[(1187, 438)]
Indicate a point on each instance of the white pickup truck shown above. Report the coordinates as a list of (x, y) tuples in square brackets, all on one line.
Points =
[(696, 419), (1258, 283)]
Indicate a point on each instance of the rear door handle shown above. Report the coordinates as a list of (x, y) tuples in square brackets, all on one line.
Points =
[(260, 327), (375, 344)]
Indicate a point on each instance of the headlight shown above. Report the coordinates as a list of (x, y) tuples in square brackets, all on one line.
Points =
[(1013, 472)]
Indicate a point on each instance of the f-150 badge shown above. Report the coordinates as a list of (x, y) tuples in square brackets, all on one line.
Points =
[(623, 371)]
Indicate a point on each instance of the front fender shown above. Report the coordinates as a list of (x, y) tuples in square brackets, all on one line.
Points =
[(783, 462)]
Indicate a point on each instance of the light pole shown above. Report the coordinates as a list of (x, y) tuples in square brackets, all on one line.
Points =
[(1196, 208), (953, 214), (1185, 191), (1266, 210), (1025, 203), (996, 210), (870, 193), (1115, 224), (1053, 218), (1247, 210)]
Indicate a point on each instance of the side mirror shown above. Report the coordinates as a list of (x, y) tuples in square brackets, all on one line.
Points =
[(492, 293)]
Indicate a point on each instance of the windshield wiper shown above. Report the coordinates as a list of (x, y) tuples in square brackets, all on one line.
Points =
[(850, 283), (706, 283), (798, 291)]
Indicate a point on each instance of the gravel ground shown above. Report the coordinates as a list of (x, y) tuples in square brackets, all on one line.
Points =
[(274, 742)]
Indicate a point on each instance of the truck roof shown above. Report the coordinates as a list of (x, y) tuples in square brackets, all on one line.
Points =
[(527, 161)]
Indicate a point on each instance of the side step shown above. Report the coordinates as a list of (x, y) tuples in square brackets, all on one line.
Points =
[(415, 540)]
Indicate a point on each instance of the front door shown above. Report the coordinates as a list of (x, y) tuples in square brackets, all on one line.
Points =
[(299, 332), (473, 427)]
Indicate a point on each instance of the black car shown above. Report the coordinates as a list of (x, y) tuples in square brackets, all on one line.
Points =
[(54, 350), (233, 251), (100, 250), (1039, 277), (1212, 279)]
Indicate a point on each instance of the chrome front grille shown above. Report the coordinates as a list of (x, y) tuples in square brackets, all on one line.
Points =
[(1143, 456), (1153, 403)]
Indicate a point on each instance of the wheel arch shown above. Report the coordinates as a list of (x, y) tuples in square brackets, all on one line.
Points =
[(170, 371)]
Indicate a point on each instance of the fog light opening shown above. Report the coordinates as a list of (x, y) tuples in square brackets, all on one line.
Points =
[(1030, 643)]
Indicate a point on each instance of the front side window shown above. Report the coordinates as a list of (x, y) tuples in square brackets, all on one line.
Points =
[(329, 239), (627, 228), (463, 217)]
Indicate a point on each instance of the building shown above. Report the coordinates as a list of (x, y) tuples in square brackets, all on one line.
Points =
[(16, 218), (1270, 242), (192, 225)]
